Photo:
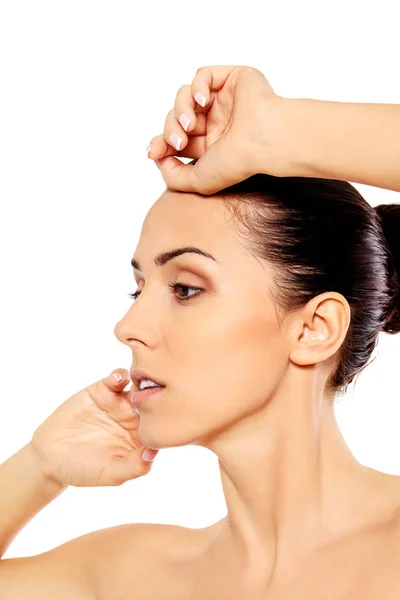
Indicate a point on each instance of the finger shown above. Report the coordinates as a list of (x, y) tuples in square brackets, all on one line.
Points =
[(160, 145), (194, 148), (117, 379), (184, 109), (207, 82), (192, 102), (178, 176), (175, 135), (127, 467), (189, 113), (149, 454), (204, 176), (109, 395), (210, 79), (181, 177)]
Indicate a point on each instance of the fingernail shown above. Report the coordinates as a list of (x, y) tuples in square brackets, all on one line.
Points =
[(148, 455), (184, 121), (200, 99), (175, 140), (117, 376)]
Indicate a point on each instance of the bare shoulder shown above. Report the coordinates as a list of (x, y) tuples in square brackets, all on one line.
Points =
[(118, 558), (85, 564), (121, 562), (129, 560)]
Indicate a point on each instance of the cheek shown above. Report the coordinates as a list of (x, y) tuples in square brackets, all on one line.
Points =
[(233, 364)]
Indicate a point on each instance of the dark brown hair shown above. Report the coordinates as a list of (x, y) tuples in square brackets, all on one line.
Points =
[(320, 235)]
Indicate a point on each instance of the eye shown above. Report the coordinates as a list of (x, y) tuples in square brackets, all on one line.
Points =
[(135, 295)]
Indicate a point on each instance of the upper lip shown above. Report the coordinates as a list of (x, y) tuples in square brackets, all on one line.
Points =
[(137, 375)]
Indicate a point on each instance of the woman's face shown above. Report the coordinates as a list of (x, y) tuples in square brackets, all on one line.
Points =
[(220, 353)]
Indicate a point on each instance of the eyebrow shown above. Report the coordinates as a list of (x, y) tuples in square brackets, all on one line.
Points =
[(161, 259)]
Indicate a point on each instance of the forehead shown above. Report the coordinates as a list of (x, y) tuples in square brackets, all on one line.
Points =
[(178, 211), (180, 219)]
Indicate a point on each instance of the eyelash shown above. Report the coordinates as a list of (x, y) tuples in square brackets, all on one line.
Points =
[(135, 295)]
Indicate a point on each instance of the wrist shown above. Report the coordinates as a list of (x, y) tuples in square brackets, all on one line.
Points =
[(47, 480), (303, 136), (289, 138)]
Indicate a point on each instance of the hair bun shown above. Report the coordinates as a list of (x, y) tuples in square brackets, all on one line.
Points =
[(389, 215)]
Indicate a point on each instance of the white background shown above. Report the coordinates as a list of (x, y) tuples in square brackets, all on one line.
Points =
[(84, 86)]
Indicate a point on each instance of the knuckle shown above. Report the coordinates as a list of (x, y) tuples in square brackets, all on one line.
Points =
[(170, 118), (181, 89), (157, 138)]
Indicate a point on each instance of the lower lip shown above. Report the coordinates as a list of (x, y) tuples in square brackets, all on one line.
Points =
[(138, 397)]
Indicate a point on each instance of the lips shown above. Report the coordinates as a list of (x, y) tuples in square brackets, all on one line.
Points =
[(137, 375), (137, 397)]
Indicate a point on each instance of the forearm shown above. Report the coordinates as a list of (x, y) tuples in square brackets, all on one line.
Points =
[(355, 142), (24, 491)]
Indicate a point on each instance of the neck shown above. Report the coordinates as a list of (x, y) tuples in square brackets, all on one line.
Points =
[(291, 483)]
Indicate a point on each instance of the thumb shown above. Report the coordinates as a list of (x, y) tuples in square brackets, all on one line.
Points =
[(179, 176), (215, 170)]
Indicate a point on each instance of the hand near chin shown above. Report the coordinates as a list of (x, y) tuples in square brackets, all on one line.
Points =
[(231, 136), (92, 438)]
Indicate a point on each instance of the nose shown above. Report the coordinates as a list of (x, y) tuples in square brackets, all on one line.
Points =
[(138, 323), (121, 331), (118, 332), (127, 330)]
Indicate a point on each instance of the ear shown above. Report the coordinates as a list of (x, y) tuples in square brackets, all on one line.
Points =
[(318, 329)]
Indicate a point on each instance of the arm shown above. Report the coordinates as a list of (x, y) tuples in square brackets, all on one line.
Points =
[(341, 140), (79, 568), (118, 562), (24, 491), (58, 573)]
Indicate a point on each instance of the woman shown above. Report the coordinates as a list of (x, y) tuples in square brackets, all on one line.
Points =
[(294, 276)]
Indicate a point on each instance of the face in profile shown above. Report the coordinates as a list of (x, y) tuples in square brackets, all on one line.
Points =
[(215, 342)]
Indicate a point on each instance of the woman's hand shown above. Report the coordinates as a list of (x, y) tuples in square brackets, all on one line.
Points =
[(92, 438), (239, 131)]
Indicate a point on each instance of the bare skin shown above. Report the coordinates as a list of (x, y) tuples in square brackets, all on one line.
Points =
[(305, 519), (170, 562), (301, 508)]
